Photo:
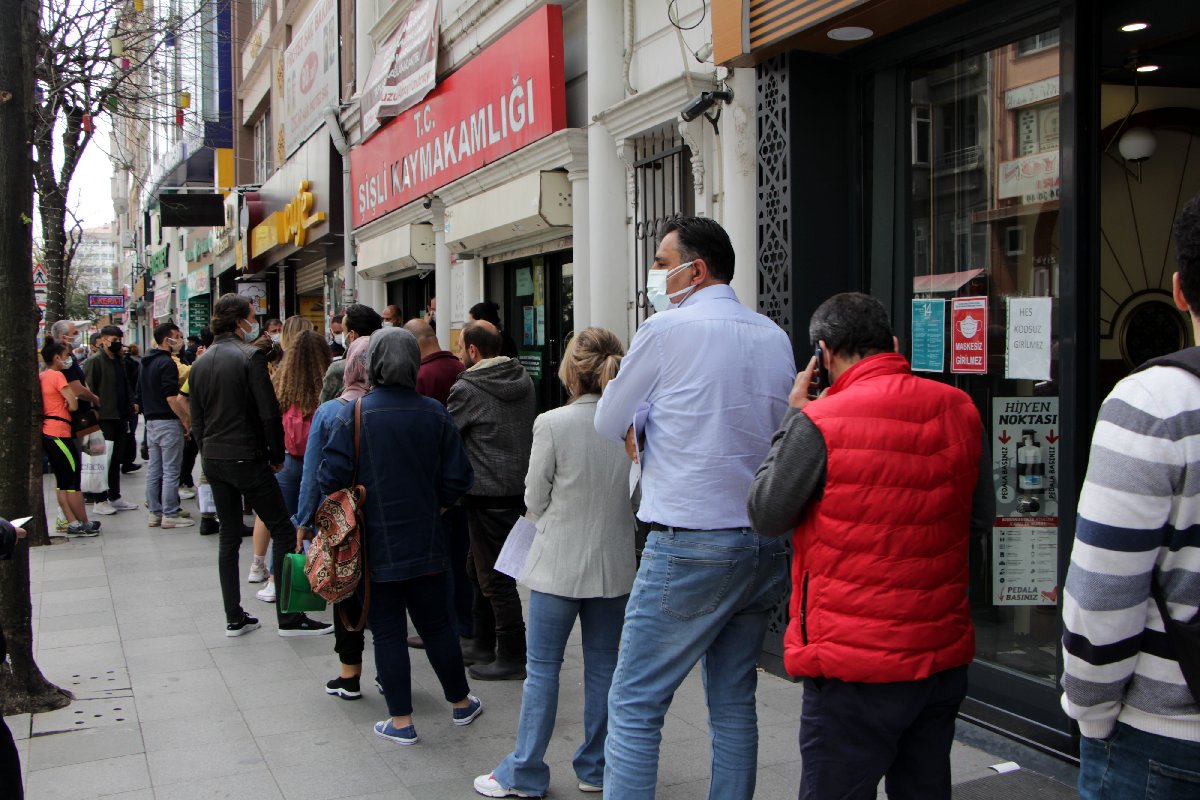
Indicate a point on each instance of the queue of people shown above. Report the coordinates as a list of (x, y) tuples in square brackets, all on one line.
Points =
[(879, 477)]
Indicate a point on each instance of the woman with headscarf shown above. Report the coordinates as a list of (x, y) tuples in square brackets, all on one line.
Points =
[(347, 644), (413, 466)]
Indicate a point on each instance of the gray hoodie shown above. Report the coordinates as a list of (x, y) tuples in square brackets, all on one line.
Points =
[(393, 358), (494, 406)]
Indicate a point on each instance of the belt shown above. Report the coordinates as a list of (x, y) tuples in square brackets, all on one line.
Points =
[(658, 526)]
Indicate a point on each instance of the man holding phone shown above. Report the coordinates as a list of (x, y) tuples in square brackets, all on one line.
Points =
[(880, 479)]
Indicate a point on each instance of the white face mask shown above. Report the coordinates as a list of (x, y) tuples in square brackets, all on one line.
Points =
[(275, 337), (68, 362), (252, 334), (656, 287), (340, 338)]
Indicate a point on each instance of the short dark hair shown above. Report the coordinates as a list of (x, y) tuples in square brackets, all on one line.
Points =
[(50, 349), (112, 330), (362, 319), (852, 323), (336, 318), (703, 238), (1187, 252), (487, 311), (272, 321), (194, 338), (486, 340), (94, 338), (163, 330), (206, 336), (228, 311)]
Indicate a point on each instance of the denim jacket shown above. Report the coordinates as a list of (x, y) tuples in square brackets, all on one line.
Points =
[(413, 465), (318, 436)]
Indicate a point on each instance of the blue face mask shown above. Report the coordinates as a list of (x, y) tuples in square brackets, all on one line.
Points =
[(656, 287), (252, 334)]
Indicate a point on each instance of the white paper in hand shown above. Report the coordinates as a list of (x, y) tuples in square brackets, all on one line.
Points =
[(515, 552)]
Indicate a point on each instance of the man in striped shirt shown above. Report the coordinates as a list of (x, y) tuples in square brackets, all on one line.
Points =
[(1139, 521)]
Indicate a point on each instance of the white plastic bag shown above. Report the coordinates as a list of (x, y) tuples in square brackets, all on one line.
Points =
[(94, 468), (204, 498)]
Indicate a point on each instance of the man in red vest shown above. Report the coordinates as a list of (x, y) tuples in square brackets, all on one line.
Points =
[(882, 478)]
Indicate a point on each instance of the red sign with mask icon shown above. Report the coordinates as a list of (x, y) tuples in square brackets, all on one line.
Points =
[(968, 335)]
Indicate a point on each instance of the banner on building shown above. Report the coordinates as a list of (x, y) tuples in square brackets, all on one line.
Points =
[(508, 96), (928, 335), (310, 74), (404, 69), (162, 304)]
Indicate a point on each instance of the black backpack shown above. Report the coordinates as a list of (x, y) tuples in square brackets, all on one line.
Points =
[(1183, 637)]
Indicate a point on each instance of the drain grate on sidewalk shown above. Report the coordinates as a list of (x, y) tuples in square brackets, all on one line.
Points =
[(1021, 783), (102, 698)]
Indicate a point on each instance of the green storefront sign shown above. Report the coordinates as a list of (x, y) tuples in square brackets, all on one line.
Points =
[(532, 362), (198, 314)]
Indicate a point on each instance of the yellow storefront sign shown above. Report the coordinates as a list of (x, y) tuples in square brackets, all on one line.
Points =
[(289, 225)]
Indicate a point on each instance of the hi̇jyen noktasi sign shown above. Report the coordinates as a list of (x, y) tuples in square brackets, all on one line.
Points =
[(507, 97)]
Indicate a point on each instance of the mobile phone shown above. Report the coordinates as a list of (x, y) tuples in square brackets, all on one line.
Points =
[(819, 379), (19, 522)]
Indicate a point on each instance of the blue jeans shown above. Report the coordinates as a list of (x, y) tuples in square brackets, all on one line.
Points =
[(164, 439), (699, 596), (551, 619), (1134, 763)]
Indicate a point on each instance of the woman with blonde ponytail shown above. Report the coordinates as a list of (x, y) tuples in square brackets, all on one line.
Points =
[(581, 565)]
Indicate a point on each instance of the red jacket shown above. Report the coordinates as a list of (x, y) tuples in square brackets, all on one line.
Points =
[(437, 374), (880, 565)]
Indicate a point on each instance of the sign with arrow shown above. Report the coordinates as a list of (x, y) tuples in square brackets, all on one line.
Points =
[(1026, 432)]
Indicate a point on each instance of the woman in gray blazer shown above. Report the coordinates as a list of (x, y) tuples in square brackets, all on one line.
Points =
[(581, 565)]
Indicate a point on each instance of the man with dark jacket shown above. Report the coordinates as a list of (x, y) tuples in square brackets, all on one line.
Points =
[(107, 377), (10, 759), (493, 404), (167, 421), (881, 480), (239, 429)]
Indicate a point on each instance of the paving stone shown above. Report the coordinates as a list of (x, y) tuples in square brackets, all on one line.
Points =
[(86, 714), (256, 785), (82, 746), (204, 762), (91, 779)]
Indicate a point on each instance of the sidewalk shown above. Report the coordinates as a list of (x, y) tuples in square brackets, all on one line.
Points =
[(168, 708)]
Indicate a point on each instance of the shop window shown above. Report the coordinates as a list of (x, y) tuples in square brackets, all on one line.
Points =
[(982, 290), (257, 7), (662, 175), (262, 148)]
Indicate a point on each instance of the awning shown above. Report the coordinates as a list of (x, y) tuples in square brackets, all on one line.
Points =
[(944, 283), (192, 210)]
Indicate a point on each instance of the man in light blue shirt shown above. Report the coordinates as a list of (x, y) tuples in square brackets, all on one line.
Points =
[(703, 388)]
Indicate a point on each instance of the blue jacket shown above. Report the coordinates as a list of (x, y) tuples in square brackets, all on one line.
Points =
[(413, 465), (318, 436)]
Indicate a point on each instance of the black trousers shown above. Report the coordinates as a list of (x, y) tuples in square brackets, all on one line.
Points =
[(230, 482), (10, 765), (462, 591), (348, 644), (129, 451), (499, 623), (190, 451), (115, 431), (424, 600), (854, 734)]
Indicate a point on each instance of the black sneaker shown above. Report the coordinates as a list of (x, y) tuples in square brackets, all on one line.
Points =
[(246, 624), (345, 688), (305, 626), (209, 526), (128, 468), (77, 530), (94, 525)]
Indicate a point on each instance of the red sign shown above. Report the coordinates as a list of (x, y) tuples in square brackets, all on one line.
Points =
[(508, 96), (968, 334), (109, 302)]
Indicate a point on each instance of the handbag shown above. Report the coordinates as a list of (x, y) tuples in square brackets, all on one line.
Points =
[(93, 468), (1184, 639), (83, 421), (337, 560), (204, 499), (295, 593)]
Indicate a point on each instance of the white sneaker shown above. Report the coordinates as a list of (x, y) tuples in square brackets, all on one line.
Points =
[(177, 522), (103, 507), (186, 493), (153, 520), (488, 786), (121, 504), (584, 786), (267, 593), (258, 573)]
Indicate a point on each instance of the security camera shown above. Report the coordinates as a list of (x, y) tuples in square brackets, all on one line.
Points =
[(703, 103), (428, 201)]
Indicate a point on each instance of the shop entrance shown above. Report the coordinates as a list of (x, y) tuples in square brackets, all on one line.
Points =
[(411, 295), (538, 312)]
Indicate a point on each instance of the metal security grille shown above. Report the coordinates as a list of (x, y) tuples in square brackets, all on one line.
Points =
[(662, 172)]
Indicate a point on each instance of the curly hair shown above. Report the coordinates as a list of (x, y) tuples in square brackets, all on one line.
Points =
[(298, 379), (590, 361)]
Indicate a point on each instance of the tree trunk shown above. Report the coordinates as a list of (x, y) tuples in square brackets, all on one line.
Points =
[(22, 686), (52, 208)]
